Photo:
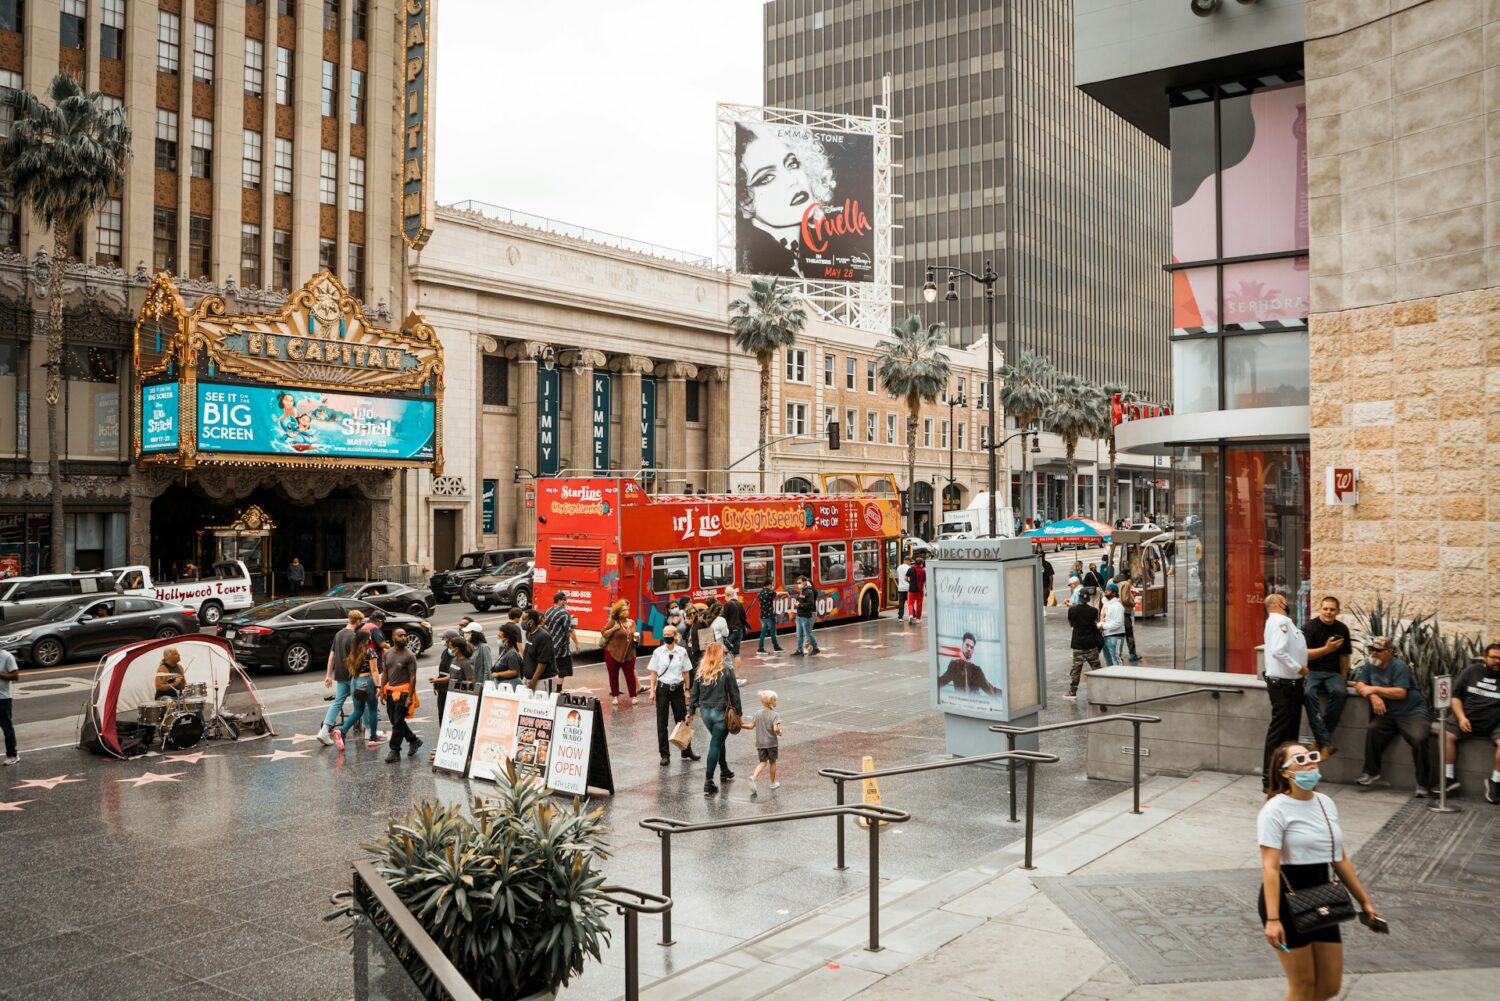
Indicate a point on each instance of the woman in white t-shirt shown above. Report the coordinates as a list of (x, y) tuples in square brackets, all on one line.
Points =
[(1299, 836)]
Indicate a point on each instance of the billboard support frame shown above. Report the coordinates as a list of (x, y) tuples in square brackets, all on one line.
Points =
[(862, 305)]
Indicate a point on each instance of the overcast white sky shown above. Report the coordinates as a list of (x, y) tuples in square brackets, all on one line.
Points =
[(593, 112)]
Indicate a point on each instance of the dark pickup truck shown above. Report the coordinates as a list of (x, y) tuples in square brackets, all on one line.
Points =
[(449, 584)]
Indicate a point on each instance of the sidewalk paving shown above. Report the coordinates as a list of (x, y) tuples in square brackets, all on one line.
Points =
[(1157, 907)]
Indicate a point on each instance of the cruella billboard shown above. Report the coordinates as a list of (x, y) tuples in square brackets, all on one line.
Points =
[(804, 202)]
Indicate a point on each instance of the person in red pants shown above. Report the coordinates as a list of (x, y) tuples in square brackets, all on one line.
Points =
[(917, 577), (618, 636)]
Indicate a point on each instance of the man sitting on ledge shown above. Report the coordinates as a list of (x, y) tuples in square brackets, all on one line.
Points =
[(1476, 716), (1396, 706)]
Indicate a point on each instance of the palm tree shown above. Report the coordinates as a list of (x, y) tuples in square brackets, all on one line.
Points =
[(763, 324), (1025, 393), (913, 367), (64, 160), (1106, 431), (1075, 412)]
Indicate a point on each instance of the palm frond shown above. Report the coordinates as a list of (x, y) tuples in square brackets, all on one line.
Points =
[(1025, 387), (66, 159), (913, 362)]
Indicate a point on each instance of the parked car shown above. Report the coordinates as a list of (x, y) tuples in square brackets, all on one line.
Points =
[(389, 595), (32, 597), (509, 586), (295, 634), (227, 590), (92, 626), (449, 584)]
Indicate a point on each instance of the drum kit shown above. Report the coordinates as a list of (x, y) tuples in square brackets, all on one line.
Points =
[(180, 723)]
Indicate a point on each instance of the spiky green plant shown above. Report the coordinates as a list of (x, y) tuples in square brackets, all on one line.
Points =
[(763, 323), (911, 366), (511, 894), (1419, 640), (63, 161)]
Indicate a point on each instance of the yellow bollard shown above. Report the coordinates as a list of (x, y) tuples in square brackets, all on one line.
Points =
[(872, 789)]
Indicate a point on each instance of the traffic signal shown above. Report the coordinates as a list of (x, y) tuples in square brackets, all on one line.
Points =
[(833, 436)]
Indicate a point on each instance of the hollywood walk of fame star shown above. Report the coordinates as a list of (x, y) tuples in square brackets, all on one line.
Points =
[(300, 738), (280, 755), (51, 783), (191, 759), (151, 778), (15, 806)]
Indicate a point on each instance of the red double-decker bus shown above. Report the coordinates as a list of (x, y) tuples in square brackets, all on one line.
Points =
[(603, 539)]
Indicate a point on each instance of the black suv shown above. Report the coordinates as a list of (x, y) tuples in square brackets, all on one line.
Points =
[(450, 584)]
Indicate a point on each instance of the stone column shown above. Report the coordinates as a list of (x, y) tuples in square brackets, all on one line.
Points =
[(672, 403), (630, 369), (523, 353), (581, 449), (716, 406)]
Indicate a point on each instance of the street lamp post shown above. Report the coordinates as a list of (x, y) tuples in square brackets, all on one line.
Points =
[(953, 402), (988, 280)]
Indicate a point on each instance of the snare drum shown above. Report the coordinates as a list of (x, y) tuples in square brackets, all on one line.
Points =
[(151, 713), (193, 706), (196, 690)]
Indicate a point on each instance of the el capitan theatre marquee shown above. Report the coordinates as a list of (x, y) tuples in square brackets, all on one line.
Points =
[(311, 385)]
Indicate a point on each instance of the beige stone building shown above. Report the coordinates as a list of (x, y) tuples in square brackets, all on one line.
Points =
[(1404, 200), (504, 290)]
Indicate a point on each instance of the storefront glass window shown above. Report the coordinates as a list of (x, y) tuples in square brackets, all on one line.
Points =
[(93, 395), (1197, 574), (1266, 292), (1266, 370), (1195, 300), (1195, 375), (1194, 205), (1263, 158), (11, 398)]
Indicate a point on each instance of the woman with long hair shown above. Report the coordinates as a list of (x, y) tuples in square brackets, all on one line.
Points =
[(714, 690), (1300, 837), (618, 636)]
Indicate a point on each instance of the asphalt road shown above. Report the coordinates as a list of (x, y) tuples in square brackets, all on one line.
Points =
[(58, 692)]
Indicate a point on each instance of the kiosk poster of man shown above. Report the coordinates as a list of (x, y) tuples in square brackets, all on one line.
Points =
[(804, 199), (969, 674)]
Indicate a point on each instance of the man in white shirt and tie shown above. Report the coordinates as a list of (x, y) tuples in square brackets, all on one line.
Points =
[(1285, 655)]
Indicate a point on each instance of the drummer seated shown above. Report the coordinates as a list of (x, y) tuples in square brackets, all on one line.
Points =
[(169, 676)]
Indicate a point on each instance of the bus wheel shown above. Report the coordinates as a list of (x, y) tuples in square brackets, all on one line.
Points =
[(869, 606)]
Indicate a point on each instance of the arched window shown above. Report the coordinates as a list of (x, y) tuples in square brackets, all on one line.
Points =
[(797, 485)]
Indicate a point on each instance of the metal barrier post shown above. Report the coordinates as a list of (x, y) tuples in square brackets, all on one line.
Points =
[(874, 945), (838, 788), (1135, 764), (1030, 810), (1010, 745), (1442, 779), (666, 886), (632, 959)]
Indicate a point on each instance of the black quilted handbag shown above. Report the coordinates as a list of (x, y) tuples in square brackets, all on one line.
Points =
[(1325, 904)]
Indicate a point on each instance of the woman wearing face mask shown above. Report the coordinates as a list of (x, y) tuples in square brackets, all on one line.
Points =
[(1299, 835)]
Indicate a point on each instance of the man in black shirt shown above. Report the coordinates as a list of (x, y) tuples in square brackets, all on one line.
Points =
[(539, 659), (1328, 646), (1087, 640), (965, 675), (734, 617), (1476, 716)]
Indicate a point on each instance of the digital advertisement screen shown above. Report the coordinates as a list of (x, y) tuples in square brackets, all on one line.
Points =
[(159, 417), (805, 202), (265, 420)]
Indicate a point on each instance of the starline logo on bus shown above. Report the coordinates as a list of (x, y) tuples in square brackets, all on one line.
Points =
[(708, 525), (582, 493)]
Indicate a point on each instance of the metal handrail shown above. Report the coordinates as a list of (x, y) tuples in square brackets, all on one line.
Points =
[(665, 827), (1214, 690), (1029, 758), (368, 884), (632, 903), (1134, 719)]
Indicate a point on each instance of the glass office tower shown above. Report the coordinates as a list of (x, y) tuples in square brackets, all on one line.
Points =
[(1088, 219)]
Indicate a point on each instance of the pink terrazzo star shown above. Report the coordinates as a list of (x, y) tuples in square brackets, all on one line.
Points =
[(51, 783), (279, 755), (151, 778)]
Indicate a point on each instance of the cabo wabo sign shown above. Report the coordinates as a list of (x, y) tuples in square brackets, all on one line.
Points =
[(312, 384)]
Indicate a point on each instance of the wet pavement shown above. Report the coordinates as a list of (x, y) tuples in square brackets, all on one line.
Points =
[(206, 875)]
